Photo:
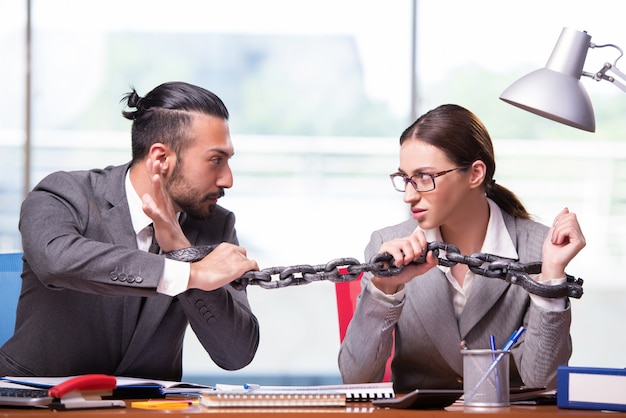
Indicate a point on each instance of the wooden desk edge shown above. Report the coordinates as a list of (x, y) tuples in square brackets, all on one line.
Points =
[(304, 412)]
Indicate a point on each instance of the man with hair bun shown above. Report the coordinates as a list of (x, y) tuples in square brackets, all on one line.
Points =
[(98, 295)]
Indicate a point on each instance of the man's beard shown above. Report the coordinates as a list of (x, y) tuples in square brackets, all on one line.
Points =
[(188, 198)]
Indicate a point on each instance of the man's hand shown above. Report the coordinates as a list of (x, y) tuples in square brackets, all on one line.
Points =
[(221, 266), (159, 207), (404, 251)]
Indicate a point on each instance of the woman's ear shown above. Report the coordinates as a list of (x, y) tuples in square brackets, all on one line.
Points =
[(478, 171)]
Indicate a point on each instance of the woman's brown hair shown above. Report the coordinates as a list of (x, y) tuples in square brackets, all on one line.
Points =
[(464, 139)]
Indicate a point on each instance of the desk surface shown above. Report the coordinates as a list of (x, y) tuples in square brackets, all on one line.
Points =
[(331, 412)]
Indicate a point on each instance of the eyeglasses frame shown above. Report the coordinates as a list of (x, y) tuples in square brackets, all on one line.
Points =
[(408, 179)]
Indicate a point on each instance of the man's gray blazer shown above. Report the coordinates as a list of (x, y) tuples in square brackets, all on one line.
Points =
[(89, 302), (428, 334)]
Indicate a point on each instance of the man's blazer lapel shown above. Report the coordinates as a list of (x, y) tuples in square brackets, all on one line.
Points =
[(117, 217), (119, 229)]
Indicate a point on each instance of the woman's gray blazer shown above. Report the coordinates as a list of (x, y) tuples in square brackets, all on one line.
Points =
[(428, 335)]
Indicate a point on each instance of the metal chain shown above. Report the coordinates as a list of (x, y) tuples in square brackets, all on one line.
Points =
[(382, 265)]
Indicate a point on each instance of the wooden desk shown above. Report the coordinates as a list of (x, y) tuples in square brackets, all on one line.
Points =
[(362, 408)]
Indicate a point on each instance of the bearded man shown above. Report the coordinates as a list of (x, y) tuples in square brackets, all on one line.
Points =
[(98, 294)]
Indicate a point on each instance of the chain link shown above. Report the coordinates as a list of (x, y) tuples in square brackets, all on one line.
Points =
[(382, 265)]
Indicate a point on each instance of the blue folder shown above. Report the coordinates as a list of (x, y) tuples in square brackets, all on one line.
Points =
[(595, 388)]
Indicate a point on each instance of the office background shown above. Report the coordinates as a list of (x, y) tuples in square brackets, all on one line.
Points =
[(319, 92)]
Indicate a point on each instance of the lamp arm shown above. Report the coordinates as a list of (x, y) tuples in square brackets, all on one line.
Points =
[(602, 73)]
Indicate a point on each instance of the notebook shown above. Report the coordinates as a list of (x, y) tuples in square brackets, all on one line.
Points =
[(126, 387), (294, 396), (272, 400)]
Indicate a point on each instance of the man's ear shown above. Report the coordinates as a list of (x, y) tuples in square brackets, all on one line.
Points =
[(478, 171), (163, 154)]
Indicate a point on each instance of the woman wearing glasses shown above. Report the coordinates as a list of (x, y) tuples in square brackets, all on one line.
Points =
[(446, 174)]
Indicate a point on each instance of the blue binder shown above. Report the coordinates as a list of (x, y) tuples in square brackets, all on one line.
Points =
[(595, 388)]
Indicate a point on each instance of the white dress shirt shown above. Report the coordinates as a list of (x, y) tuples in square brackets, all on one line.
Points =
[(175, 277)]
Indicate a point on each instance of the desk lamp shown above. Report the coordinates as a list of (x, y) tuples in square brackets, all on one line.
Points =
[(555, 91)]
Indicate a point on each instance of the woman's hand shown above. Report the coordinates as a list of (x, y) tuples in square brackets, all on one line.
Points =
[(404, 251), (564, 240)]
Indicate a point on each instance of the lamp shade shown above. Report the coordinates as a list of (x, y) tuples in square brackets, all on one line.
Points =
[(555, 92)]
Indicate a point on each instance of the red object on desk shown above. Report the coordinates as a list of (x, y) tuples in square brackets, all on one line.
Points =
[(347, 293), (83, 382)]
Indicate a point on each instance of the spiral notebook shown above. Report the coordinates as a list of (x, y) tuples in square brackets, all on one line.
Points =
[(238, 396)]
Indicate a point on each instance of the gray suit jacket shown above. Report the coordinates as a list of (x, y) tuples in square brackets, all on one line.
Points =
[(428, 335), (89, 302)]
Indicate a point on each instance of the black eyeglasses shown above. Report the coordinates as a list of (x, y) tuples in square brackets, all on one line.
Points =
[(422, 182)]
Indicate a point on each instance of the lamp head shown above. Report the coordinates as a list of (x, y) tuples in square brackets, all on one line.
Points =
[(555, 91)]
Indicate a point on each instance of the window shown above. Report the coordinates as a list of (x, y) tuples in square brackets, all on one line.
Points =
[(319, 92)]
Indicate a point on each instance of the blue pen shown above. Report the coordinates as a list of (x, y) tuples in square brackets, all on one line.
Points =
[(251, 386), (492, 345), (513, 339)]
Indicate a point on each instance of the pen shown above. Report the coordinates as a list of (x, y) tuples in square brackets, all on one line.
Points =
[(513, 339), (492, 345), (251, 386)]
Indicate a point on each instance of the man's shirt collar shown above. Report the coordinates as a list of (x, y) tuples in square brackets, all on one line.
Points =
[(137, 216)]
